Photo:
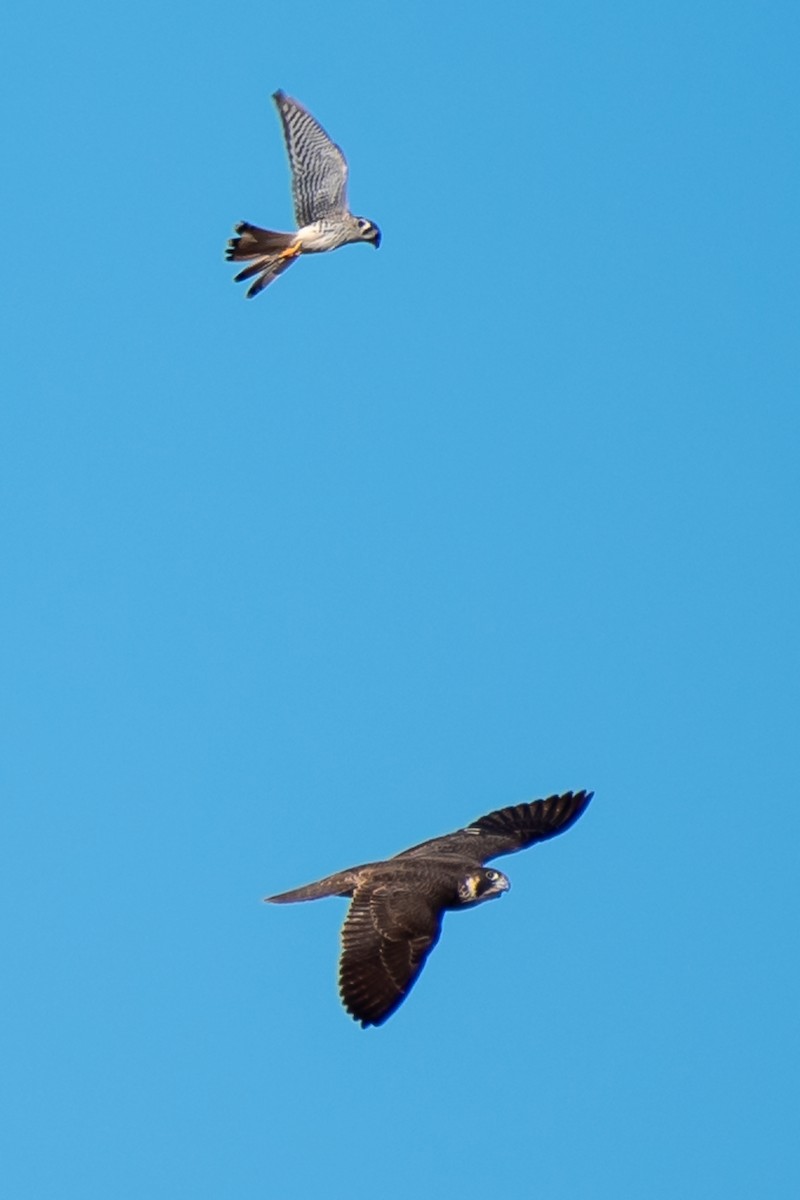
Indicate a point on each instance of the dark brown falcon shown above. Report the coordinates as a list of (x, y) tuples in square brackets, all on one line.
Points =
[(395, 916)]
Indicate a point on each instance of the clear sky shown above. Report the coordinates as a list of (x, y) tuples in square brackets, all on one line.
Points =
[(508, 507)]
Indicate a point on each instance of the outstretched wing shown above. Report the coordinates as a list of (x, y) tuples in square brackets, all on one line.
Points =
[(386, 938), (319, 169), (508, 829)]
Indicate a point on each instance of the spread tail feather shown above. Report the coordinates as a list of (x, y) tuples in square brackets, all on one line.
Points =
[(253, 242), (265, 250)]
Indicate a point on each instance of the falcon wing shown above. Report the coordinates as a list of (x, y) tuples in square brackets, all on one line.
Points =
[(507, 829), (386, 938), (319, 169)]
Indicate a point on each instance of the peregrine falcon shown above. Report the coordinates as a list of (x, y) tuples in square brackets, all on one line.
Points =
[(397, 906), (319, 191)]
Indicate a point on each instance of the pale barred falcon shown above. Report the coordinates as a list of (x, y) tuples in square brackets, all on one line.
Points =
[(319, 191), (397, 906)]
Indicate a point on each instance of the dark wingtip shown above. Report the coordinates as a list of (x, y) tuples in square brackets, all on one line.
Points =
[(579, 802), (374, 1022)]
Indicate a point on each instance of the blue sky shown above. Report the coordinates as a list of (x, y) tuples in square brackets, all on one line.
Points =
[(507, 508)]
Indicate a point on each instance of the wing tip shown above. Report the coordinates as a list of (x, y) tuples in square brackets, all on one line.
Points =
[(372, 1013), (576, 803)]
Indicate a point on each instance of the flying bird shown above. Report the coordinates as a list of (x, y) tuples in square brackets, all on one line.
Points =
[(319, 191), (397, 906)]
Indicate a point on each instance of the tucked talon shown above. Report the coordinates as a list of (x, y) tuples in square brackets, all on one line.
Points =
[(291, 251)]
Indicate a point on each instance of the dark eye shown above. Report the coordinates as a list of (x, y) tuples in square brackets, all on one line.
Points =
[(362, 225), (491, 876)]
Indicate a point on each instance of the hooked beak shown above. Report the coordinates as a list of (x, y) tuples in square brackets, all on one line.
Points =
[(498, 887)]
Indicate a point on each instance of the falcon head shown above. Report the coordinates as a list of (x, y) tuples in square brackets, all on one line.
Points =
[(368, 231), (481, 885)]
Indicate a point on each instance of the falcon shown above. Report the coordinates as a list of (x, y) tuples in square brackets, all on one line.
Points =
[(397, 906), (319, 191)]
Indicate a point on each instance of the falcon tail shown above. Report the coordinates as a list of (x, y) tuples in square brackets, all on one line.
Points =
[(343, 883), (268, 252)]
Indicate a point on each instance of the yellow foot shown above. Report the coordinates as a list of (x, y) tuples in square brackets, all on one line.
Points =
[(291, 251)]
